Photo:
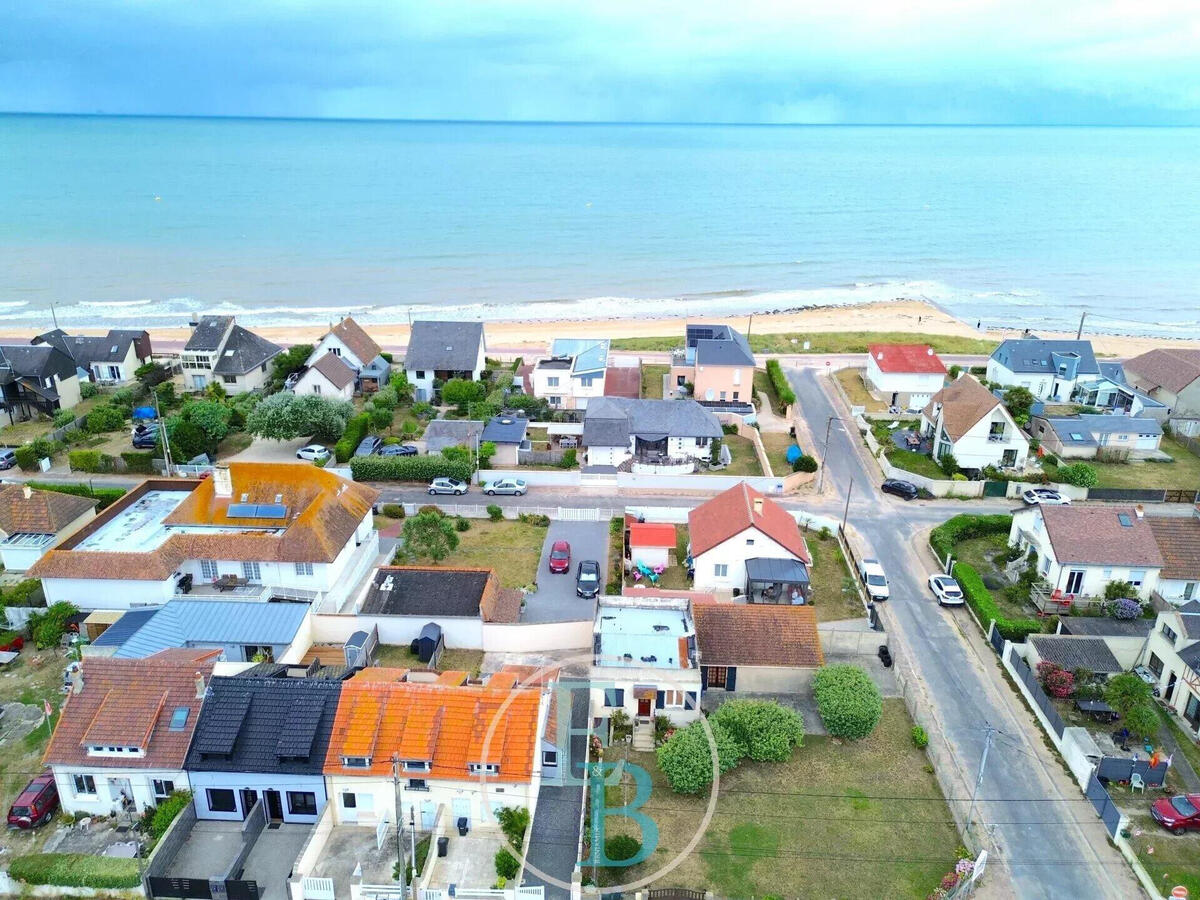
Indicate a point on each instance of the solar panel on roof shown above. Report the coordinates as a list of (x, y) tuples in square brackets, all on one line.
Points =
[(257, 511), (300, 728), (242, 510), (223, 717)]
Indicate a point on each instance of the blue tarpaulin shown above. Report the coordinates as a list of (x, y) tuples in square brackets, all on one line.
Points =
[(143, 412), (794, 453)]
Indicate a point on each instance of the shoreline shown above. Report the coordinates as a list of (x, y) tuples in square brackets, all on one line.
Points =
[(916, 317)]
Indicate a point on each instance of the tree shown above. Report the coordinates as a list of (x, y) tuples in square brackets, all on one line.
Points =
[(285, 417), (714, 451), (460, 391), (686, 757), (948, 464), (1115, 590), (385, 398), (210, 416), (399, 384), (1079, 474), (848, 701), (429, 536), (487, 450), (1126, 692), (290, 360), (765, 730), (381, 417), (188, 439), (1143, 720), (152, 374), (1019, 401)]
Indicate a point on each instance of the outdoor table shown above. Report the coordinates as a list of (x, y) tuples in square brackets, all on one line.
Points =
[(1097, 709)]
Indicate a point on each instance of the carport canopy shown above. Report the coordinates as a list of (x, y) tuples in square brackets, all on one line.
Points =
[(776, 571)]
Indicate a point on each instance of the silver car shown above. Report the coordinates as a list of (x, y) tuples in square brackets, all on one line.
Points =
[(505, 486), (1045, 497), (447, 486)]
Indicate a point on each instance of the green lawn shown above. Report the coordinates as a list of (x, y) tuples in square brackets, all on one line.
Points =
[(744, 457), (980, 553), (452, 659), (852, 383), (1183, 473), (1170, 859), (652, 381), (776, 444), (512, 548), (811, 827), (917, 463), (827, 342), (833, 590)]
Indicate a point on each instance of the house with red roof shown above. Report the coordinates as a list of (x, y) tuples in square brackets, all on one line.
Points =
[(650, 543), (746, 544), (904, 375)]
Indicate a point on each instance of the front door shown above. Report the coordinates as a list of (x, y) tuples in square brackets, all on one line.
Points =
[(460, 808), (895, 399), (644, 706), (274, 805), (1074, 582), (1170, 687), (716, 677), (428, 814)]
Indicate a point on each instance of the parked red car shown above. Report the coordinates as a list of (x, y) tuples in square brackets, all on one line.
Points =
[(560, 558), (13, 644), (1177, 814), (35, 805)]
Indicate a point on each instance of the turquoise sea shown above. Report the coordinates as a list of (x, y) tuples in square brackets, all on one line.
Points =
[(123, 221)]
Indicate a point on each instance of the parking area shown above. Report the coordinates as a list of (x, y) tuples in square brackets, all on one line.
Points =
[(264, 450), (469, 861), (211, 846), (351, 846), (555, 599)]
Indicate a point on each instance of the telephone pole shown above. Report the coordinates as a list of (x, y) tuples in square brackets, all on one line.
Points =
[(989, 733), (400, 873), (412, 839), (1079, 332), (824, 453), (846, 511)]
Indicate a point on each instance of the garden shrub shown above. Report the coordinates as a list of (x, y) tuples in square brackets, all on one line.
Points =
[(89, 461), (64, 417), (980, 599), (848, 701), (87, 390), (1079, 474), (534, 519), (393, 510), (106, 496), (1123, 608), (164, 814), (407, 468), (570, 459), (506, 864), (496, 512), (729, 429), (765, 730), (75, 870), (140, 462), (27, 457), (461, 524), (686, 757), (25, 593), (779, 381), (432, 509), (1057, 681), (919, 738), (621, 847), (1115, 590), (47, 628), (105, 418), (356, 430), (804, 463), (514, 822), (964, 527)]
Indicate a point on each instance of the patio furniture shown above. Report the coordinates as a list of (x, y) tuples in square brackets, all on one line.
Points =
[(1136, 783), (648, 572), (229, 582), (1097, 709)]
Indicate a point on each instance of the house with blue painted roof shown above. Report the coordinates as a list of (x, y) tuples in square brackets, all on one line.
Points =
[(1051, 370), (574, 373)]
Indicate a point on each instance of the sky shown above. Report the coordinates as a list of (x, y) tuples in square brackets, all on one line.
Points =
[(1130, 62)]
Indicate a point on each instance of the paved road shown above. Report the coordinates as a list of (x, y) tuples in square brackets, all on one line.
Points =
[(1044, 833)]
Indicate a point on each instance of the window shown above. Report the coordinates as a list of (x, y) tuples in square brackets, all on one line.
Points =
[(722, 395), (263, 367), (735, 394), (416, 765), (163, 788), (1155, 664), (349, 801), (208, 568), (179, 717), (221, 800), (555, 400), (356, 762), (587, 380), (229, 379), (336, 351), (1137, 576), (1192, 712), (417, 784), (251, 572), (420, 373), (674, 698), (680, 380), (304, 569), (552, 381), (484, 768), (302, 803), (721, 570), (1108, 574), (1169, 633), (749, 542), (737, 376), (84, 784), (549, 757), (316, 389), (614, 696)]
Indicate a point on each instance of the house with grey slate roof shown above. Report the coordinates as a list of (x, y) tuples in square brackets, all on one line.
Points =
[(716, 361), (36, 379), (1051, 370), (439, 351), (222, 351), (1091, 436), (111, 359), (617, 430)]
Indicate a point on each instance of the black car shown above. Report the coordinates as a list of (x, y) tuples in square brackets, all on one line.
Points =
[(905, 489), (587, 579), (398, 450)]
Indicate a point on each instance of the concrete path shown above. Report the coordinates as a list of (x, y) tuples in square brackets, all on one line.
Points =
[(1179, 762)]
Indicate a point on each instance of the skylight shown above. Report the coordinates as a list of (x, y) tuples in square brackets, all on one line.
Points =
[(178, 718), (1125, 520)]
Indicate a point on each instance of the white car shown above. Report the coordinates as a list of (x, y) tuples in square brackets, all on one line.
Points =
[(875, 580), (505, 486), (1045, 497), (447, 486), (947, 590), (314, 452)]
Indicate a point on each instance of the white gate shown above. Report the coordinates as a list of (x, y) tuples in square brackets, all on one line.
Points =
[(317, 888), (381, 831)]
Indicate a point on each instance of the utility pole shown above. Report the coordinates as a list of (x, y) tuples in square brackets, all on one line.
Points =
[(749, 327), (1079, 332), (412, 840), (162, 434), (54, 315), (824, 453), (400, 873), (846, 511), (987, 745)]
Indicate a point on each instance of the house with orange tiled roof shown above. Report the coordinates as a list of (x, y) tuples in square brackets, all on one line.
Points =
[(350, 344), (462, 748), (123, 734), (756, 648), (254, 531), (746, 544)]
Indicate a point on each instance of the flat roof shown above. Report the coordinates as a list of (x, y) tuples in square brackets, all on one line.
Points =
[(649, 634), (139, 527)]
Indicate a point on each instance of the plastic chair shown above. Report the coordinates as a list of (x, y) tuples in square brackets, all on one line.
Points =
[(1136, 783)]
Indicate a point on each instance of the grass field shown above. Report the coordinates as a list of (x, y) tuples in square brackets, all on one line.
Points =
[(979, 553), (1183, 473), (512, 548), (834, 594), (1170, 859), (827, 342), (917, 463), (852, 383), (744, 457), (789, 829), (452, 659), (776, 444), (652, 381)]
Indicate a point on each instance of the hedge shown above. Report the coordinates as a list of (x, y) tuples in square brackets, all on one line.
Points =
[(779, 381), (979, 598), (27, 457), (964, 527), (139, 461), (408, 468), (75, 870), (89, 461), (848, 701), (107, 496), (356, 430)]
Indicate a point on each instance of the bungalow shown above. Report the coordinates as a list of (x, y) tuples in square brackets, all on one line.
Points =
[(36, 380), (1178, 541), (1170, 375), (32, 522), (651, 543), (507, 433), (904, 375), (439, 351), (1080, 550), (765, 649), (735, 534), (262, 737), (574, 373), (1125, 638), (348, 342), (716, 360), (1051, 370), (468, 749), (1073, 652), (443, 433), (328, 376), (112, 359), (1172, 654), (966, 420), (652, 432), (1110, 438), (124, 731), (223, 352)]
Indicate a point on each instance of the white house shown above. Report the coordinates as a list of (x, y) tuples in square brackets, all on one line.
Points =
[(112, 359), (735, 530), (123, 734), (904, 375), (352, 345), (1080, 550), (1172, 653), (222, 351), (1103, 437), (965, 419), (257, 531), (1051, 370), (468, 749), (329, 376), (574, 373), (650, 432), (439, 351), (1178, 541), (32, 522)]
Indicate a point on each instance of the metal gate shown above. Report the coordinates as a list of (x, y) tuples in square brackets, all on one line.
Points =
[(995, 489), (1103, 805), (995, 638)]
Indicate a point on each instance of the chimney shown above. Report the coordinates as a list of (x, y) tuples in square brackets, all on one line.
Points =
[(77, 681), (1139, 511), (222, 482), (200, 686), (929, 351), (758, 506), (27, 491)]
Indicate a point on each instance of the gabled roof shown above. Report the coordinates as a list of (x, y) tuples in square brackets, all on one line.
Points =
[(356, 340), (444, 346), (609, 421), (588, 355), (737, 634), (906, 359), (429, 591), (505, 430), (1034, 355), (335, 370), (441, 433), (1106, 626), (1100, 536), (130, 703), (1170, 368), (718, 345), (85, 351), (244, 352), (42, 512), (380, 715), (36, 361), (652, 534), (183, 623), (207, 334), (1072, 652), (964, 402), (265, 724), (1178, 541), (730, 513)]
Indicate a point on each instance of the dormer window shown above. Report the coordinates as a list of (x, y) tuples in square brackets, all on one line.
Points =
[(356, 762), (416, 765), (110, 750), (483, 768)]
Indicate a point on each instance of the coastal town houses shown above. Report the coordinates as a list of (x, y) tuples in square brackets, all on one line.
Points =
[(656, 433), (460, 748), (573, 374), (123, 734), (747, 545), (716, 361), (1080, 550), (1178, 540), (33, 521), (1112, 393), (904, 376), (111, 359), (756, 649), (966, 420), (507, 434), (257, 531), (439, 351), (220, 351), (1051, 370), (1093, 436), (36, 380), (349, 343), (327, 376), (1170, 375), (1172, 654), (262, 737)]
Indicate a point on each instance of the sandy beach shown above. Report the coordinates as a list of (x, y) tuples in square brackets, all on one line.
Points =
[(910, 316)]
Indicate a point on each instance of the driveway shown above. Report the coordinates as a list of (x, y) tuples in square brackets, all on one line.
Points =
[(263, 450), (555, 600)]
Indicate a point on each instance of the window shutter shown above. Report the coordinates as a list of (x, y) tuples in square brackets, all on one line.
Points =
[(730, 678), (692, 700), (620, 696), (659, 700)]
